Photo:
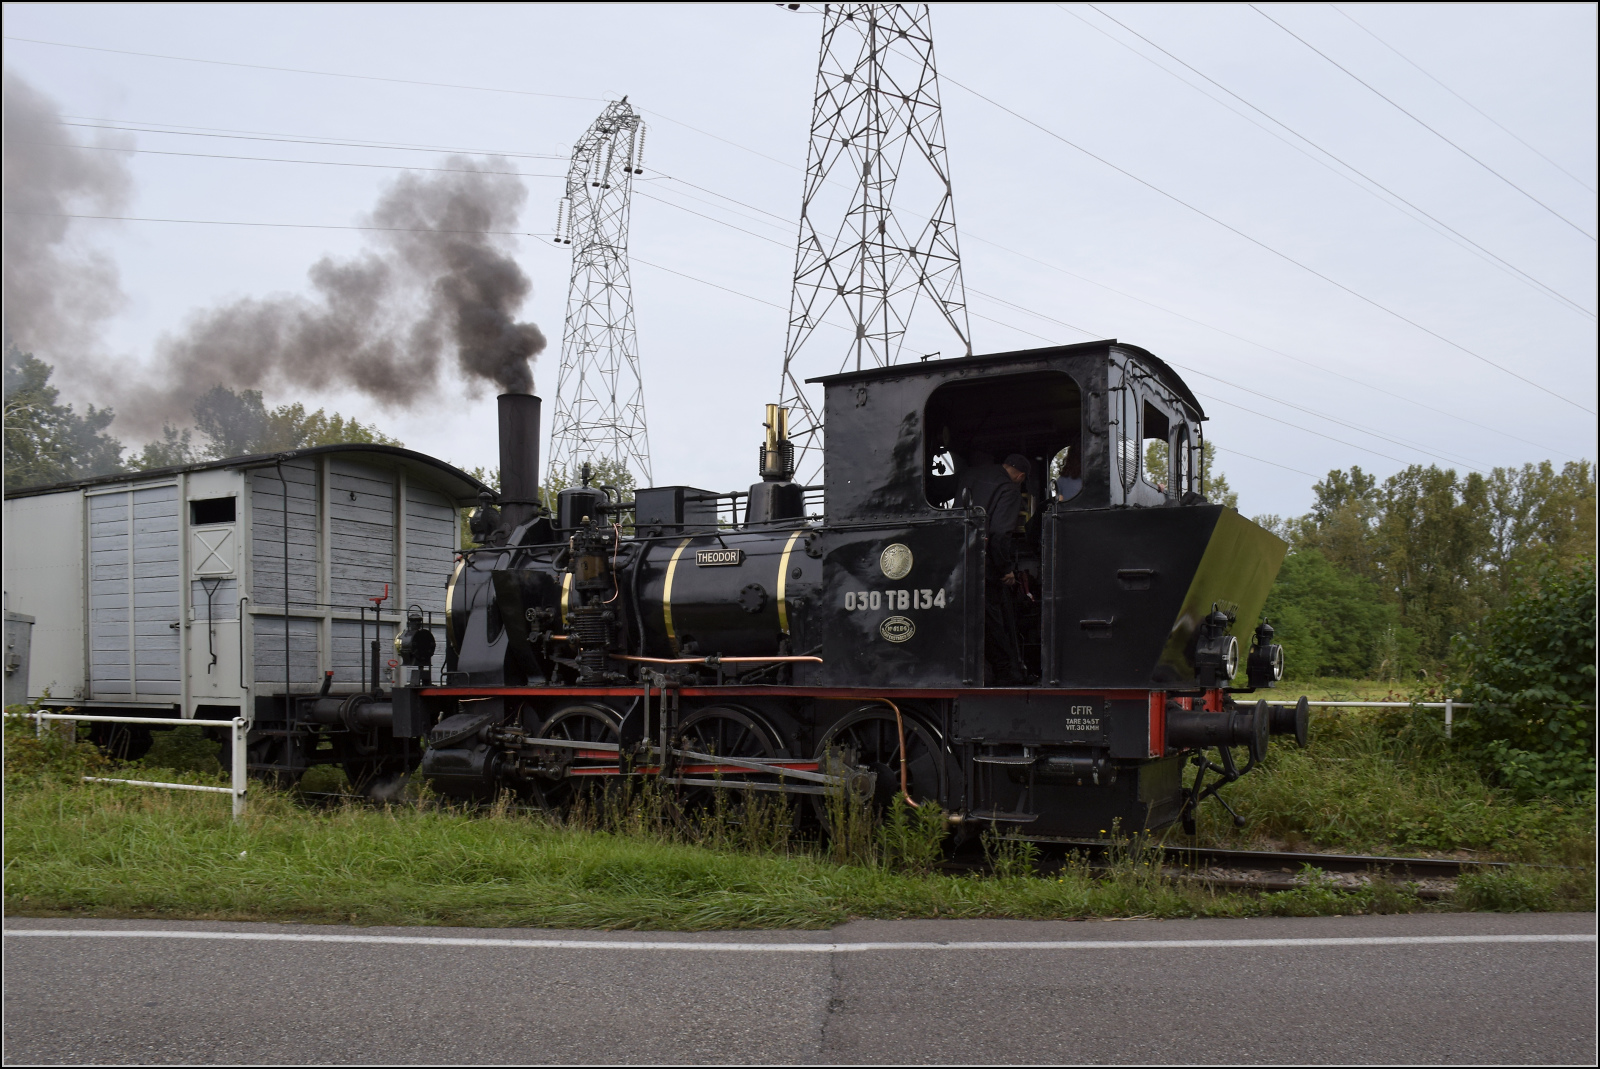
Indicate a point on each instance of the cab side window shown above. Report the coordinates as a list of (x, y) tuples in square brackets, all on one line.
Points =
[(1155, 428)]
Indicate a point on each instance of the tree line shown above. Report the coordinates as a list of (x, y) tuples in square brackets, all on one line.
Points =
[(48, 442), (1381, 578)]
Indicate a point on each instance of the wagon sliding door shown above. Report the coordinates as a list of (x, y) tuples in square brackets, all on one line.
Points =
[(284, 568), (432, 532), (361, 564), (135, 595)]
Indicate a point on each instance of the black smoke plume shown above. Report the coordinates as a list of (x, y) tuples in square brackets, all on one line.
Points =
[(438, 276), (58, 291)]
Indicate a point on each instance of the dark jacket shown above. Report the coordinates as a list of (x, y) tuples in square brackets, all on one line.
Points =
[(1001, 498)]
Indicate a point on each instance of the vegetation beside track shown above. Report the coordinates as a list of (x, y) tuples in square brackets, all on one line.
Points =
[(98, 850), (1385, 781)]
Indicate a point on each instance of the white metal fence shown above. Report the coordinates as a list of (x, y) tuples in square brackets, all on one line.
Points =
[(1448, 705), (238, 726)]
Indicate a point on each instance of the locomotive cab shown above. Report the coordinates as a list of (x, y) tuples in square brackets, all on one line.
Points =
[(1119, 555)]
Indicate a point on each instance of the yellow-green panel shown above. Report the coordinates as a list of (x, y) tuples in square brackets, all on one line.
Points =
[(1235, 573)]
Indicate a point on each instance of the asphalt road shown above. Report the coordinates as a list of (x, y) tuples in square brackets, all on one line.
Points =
[(920, 992)]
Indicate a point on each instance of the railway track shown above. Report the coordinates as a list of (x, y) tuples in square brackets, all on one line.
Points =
[(1198, 856), (1265, 870), (1284, 870)]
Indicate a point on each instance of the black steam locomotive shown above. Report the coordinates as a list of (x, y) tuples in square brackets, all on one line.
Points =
[(798, 653)]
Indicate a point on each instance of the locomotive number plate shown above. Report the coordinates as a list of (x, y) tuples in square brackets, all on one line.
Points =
[(855, 600), (707, 558)]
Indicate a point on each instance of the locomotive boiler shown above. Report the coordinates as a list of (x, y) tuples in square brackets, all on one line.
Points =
[(774, 640)]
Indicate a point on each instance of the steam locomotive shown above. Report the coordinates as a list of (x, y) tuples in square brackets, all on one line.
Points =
[(794, 653)]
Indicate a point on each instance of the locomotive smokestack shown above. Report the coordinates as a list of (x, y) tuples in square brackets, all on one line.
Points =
[(519, 458), (776, 497)]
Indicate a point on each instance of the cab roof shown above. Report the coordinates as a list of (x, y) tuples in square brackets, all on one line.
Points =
[(1158, 367)]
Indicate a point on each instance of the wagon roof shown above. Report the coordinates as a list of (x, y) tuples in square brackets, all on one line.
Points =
[(455, 483), (1158, 366)]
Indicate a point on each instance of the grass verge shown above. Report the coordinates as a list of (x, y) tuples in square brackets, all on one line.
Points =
[(124, 852), (99, 850)]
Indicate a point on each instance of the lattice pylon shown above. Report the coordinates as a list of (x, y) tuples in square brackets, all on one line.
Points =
[(877, 218), (599, 409)]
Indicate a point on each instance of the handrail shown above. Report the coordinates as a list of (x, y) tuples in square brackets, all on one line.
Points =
[(1449, 705), (1392, 705), (240, 777)]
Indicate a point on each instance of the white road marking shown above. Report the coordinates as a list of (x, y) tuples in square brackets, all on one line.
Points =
[(795, 948)]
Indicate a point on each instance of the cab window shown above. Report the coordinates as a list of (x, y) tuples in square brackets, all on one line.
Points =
[(979, 423)]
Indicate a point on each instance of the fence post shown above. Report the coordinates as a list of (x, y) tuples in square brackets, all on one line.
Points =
[(240, 771), (1449, 715)]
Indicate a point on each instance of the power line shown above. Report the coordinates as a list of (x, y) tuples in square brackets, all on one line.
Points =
[(660, 267), (282, 139), (1422, 124), (278, 159), (774, 304), (1363, 383), (717, 286), (785, 220), (1508, 131), (1258, 460), (1263, 245), (214, 131), (302, 70), (399, 81), (1255, 393), (1053, 341), (139, 126), (792, 166), (710, 204), (1210, 397), (702, 215), (714, 285), (1505, 264), (1096, 334), (732, 200), (289, 226)]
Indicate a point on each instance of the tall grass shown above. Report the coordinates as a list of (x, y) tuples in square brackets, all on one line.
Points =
[(639, 855), (1386, 781), (124, 852)]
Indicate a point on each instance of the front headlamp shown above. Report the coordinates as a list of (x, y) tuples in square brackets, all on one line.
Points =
[(1265, 666), (1216, 652)]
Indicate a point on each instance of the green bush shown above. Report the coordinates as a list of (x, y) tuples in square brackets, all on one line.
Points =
[(56, 753), (1333, 622), (1529, 672)]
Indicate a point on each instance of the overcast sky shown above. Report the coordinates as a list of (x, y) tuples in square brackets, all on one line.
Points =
[(1335, 376)]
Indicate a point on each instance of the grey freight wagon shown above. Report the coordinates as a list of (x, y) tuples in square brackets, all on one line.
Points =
[(162, 593)]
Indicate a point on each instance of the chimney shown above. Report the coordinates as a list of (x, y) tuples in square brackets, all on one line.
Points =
[(519, 458)]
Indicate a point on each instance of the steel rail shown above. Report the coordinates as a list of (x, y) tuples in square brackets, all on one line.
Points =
[(1276, 859)]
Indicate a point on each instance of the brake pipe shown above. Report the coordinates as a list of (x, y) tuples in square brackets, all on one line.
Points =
[(900, 725)]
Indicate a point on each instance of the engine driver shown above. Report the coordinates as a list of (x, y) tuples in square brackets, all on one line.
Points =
[(997, 487)]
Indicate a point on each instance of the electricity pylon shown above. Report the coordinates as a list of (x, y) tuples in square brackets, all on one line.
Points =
[(877, 218), (599, 392)]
